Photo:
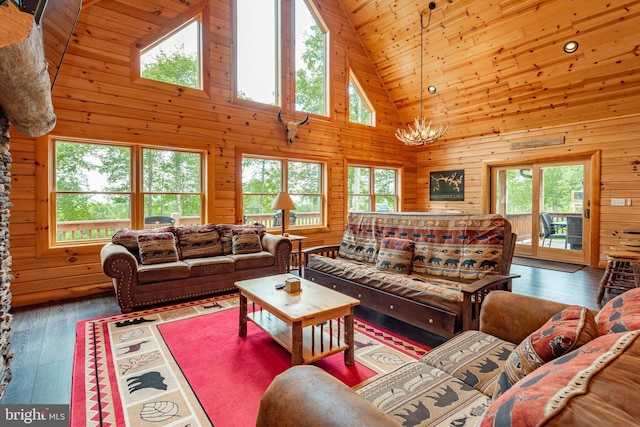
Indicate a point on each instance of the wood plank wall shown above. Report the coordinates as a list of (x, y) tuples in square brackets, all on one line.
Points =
[(95, 98), (616, 139)]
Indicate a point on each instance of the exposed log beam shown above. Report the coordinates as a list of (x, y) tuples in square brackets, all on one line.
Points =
[(25, 87)]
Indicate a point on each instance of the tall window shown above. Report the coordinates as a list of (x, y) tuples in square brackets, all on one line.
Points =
[(264, 178), (95, 189), (372, 189), (360, 109), (311, 60), (175, 58), (257, 41)]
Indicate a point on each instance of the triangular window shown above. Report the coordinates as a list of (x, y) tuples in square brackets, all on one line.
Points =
[(176, 58), (360, 109)]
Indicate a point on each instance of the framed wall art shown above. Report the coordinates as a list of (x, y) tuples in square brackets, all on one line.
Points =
[(446, 186)]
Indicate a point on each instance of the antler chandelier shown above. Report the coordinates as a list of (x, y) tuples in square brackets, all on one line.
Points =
[(422, 133)]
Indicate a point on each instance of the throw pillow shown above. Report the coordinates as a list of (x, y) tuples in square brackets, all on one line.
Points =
[(550, 390), (569, 329), (129, 238), (395, 255), (620, 314), (245, 240), (156, 248), (199, 241)]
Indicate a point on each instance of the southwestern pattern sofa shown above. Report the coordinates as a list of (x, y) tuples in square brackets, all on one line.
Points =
[(533, 362), (430, 270), (161, 265)]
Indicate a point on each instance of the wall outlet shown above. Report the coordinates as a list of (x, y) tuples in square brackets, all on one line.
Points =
[(617, 202), (629, 202)]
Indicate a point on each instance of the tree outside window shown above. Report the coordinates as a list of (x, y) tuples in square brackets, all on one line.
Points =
[(372, 189), (311, 61), (264, 178), (94, 194)]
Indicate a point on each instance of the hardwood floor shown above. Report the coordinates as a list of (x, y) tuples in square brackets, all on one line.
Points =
[(43, 336)]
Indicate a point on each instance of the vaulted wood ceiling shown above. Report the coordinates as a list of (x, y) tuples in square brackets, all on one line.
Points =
[(499, 65)]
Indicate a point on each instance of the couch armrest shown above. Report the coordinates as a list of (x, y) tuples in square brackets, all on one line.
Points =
[(307, 396), (280, 247), (126, 262), (512, 317)]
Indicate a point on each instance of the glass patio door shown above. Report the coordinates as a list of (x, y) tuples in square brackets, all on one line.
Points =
[(545, 203)]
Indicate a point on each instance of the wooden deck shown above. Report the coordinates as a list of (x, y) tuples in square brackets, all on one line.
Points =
[(43, 336)]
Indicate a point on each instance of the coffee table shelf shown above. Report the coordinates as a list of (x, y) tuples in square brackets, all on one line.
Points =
[(317, 342)]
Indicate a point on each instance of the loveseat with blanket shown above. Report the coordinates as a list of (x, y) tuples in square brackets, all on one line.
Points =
[(430, 270), (161, 265), (533, 362)]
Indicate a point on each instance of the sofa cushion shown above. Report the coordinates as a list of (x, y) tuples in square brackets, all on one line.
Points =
[(395, 255), (417, 394), (473, 357), (210, 265), (359, 243), (620, 314), (576, 389), (153, 273), (245, 241), (129, 238), (253, 261), (569, 329), (157, 248), (226, 234), (198, 241)]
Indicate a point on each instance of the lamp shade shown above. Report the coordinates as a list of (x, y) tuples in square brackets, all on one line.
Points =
[(282, 202)]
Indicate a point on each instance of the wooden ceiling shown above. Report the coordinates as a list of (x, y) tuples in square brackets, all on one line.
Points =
[(499, 65)]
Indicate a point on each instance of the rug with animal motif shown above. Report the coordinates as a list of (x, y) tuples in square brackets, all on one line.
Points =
[(185, 365)]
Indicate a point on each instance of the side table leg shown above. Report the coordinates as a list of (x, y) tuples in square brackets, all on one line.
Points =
[(349, 353), (296, 344), (242, 330)]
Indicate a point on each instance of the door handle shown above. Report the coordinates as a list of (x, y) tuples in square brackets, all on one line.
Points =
[(587, 213)]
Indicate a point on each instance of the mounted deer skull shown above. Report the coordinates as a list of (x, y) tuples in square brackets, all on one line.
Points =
[(292, 127)]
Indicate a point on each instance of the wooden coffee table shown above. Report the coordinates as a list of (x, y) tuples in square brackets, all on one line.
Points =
[(306, 323)]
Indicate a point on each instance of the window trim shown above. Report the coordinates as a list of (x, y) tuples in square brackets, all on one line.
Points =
[(199, 12), (324, 186), (398, 167), (46, 246)]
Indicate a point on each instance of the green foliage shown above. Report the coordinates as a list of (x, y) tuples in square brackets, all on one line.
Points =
[(358, 111), (310, 79), (175, 66)]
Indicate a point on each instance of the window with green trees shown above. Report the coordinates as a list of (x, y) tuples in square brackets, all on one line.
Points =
[(258, 40), (372, 189), (310, 60), (175, 58), (264, 178), (359, 110), (96, 194)]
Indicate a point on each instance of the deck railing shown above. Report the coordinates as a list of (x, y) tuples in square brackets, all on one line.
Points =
[(102, 229)]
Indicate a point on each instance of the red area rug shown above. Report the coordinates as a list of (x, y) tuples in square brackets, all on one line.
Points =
[(185, 364)]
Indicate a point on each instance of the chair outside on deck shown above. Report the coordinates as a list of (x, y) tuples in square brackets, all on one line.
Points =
[(553, 230), (158, 221), (277, 222)]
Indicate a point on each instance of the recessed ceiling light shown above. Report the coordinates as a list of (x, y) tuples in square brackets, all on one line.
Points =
[(431, 89), (570, 47)]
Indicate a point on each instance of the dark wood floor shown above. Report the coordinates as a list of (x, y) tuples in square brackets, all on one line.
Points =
[(42, 337)]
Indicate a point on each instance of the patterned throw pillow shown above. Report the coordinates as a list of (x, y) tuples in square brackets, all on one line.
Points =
[(156, 248), (571, 328), (620, 314), (199, 241), (552, 389), (245, 240), (129, 238), (395, 255), (226, 234)]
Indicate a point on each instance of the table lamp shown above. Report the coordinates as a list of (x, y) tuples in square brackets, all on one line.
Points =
[(283, 202)]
